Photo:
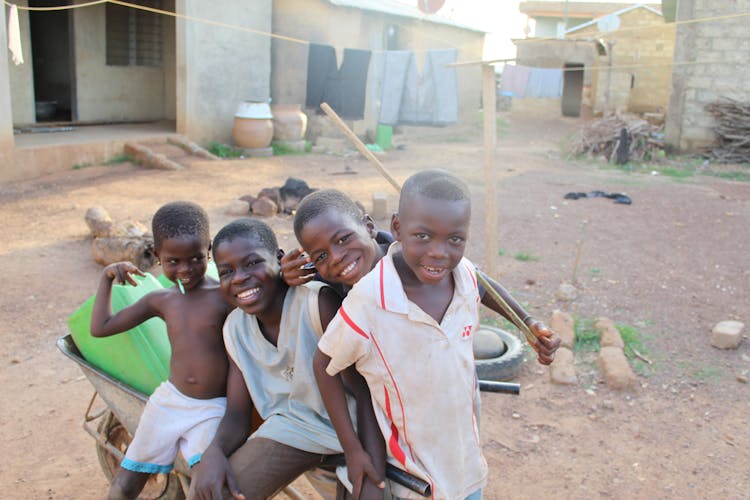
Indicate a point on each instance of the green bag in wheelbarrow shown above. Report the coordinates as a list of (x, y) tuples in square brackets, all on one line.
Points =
[(138, 357)]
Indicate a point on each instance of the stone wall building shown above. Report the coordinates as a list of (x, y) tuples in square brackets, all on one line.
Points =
[(710, 63)]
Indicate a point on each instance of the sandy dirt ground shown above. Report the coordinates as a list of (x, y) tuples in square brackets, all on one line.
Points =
[(671, 266)]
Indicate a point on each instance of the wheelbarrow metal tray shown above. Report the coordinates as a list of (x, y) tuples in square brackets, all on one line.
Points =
[(125, 402)]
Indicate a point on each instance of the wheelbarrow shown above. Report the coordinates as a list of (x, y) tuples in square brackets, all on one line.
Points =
[(113, 423)]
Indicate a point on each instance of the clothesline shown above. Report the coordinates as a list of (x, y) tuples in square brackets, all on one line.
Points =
[(302, 41)]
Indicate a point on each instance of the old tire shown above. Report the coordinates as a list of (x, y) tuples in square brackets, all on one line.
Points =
[(508, 364), (158, 487)]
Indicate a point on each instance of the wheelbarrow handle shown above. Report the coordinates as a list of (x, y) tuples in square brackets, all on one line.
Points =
[(504, 387), (405, 479)]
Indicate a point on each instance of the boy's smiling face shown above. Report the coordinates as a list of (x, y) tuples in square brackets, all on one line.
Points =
[(248, 273), (184, 258), (342, 249), (432, 235)]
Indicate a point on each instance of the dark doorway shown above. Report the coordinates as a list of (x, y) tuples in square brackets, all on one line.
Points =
[(572, 89), (52, 55)]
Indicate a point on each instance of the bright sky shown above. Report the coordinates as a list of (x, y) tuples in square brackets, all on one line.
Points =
[(500, 18)]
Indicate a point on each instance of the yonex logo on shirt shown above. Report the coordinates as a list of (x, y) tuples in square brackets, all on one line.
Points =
[(467, 331)]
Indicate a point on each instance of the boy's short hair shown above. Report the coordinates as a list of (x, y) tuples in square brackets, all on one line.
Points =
[(180, 218), (318, 202), (435, 184), (249, 228)]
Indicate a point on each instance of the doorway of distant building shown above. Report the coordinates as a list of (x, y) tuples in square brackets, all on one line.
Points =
[(572, 89), (52, 60)]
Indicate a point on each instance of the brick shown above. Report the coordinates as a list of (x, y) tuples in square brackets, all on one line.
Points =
[(609, 336), (617, 371), (562, 370), (562, 323), (379, 206), (727, 334)]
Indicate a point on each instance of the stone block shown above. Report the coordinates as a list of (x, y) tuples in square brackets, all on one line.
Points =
[(562, 323), (609, 336), (562, 370), (727, 334), (616, 370), (237, 207), (264, 207), (379, 206), (566, 292), (487, 344)]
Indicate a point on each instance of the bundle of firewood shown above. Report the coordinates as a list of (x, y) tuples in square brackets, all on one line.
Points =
[(603, 137), (732, 131)]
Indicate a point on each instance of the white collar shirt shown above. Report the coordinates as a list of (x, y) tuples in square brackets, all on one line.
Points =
[(420, 373)]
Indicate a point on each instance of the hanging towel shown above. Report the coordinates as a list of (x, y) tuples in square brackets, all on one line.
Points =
[(397, 66), (322, 69), (349, 89), (444, 108), (14, 36), (514, 80), (544, 82)]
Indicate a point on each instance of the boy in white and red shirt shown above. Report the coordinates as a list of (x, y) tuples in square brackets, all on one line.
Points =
[(408, 327)]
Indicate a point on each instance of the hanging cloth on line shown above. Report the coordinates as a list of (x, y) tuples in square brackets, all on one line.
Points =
[(14, 36), (343, 89), (544, 82), (408, 98), (514, 80)]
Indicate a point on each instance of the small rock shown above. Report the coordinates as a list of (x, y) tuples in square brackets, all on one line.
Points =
[(237, 207), (98, 221), (264, 207), (742, 379), (15, 361), (607, 404), (727, 334), (487, 344), (616, 369), (273, 194), (515, 415), (566, 292), (608, 333), (562, 323), (379, 206), (562, 371), (250, 199)]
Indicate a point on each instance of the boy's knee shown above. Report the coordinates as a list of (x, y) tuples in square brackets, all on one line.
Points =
[(127, 485)]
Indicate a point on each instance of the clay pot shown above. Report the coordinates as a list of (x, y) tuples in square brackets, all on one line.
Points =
[(289, 122), (253, 125)]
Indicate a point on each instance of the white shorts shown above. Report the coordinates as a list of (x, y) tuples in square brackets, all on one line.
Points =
[(172, 421)]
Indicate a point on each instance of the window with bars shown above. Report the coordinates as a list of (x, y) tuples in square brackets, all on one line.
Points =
[(134, 37)]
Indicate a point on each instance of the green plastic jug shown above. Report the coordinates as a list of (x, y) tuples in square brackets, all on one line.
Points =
[(138, 357)]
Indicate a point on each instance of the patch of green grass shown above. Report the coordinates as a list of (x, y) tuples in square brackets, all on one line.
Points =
[(595, 271), (736, 175), (707, 374), (633, 339), (587, 338), (281, 149), (525, 257), (501, 252), (498, 322), (456, 138), (677, 173), (117, 159), (223, 150), (79, 166)]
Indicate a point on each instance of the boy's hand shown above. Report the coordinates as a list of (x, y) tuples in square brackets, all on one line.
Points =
[(210, 475), (547, 342), (120, 273), (361, 471), (291, 268)]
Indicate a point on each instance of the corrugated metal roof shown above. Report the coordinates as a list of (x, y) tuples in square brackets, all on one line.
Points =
[(575, 9), (394, 8)]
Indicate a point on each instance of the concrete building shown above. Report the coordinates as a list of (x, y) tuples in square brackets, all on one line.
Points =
[(375, 25), (710, 63), (634, 40), (107, 63)]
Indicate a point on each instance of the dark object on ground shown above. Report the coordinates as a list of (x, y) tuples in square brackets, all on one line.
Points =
[(621, 198), (292, 192), (732, 131), (505, 366), (623, 148)]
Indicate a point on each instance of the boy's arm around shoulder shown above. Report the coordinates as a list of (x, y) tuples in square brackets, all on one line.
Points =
[(213, 471), (103, 322), (547, 340)]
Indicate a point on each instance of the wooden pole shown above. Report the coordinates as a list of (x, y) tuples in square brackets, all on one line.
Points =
[(359, 145), (489, 90)]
